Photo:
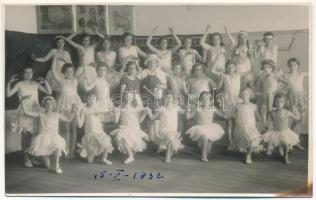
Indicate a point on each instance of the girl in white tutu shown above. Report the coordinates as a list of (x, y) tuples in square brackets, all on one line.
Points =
[(205, 132), (280, 135), (246, 135), (296, 94), (129, 136), (164, 53), (27, 89), (168, 137), (231, 85), (101, 88), (48, 141), (95, 141), (268, 85), (68, 96)]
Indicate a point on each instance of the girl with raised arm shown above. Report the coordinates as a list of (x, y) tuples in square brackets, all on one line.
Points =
[(189, 56), (27, 89), (164, 53), (60, 52), (68, 96), (129, 51)]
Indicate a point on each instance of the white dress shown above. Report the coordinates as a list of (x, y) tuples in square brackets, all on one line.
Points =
[(95, 141), (125, 52), (68, 96), (48, 140), (205, 127), (168, 130), (59, 63), (108, 58), (296, 93), (129, 130), (245, 133), (23, 122), (165, 60), (231, 93), (104, 103)]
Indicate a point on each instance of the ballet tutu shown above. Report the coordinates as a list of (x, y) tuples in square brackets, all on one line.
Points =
[(134, 138), (65, 102), (229, 106), (45, 144), (246, 137), (298, 101), (211, 132), (172, 138), (95, 144), (277, 138), (23, 122)]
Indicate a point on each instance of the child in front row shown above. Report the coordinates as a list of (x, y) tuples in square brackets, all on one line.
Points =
[(280, 135), (246, 135), (168, 137), (48, 142), (205, 132), (129, 136), (95, 141)]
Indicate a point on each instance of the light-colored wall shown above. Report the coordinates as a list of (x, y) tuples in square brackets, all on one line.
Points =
[(188, 19)]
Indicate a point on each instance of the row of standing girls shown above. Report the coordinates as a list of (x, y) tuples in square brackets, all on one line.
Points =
[(164, 94)]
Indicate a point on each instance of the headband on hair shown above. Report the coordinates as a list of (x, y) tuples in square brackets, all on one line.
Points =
[(48, 98)]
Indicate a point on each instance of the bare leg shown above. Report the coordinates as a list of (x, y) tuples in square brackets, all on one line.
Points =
[(168, 154), (296, 127), (248, 156), (286, 154), (229, 131), (73, 138), (150, 128), (27, 160), (204, 150), (46, 161), (129, 152), (105, 158), (57, 167), (90, 158), (66, 134)]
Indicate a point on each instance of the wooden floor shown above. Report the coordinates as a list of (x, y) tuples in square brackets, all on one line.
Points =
[(224, 173)]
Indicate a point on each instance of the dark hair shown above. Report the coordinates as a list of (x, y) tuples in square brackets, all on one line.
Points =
[(175, 63), (204, 93), (102, 64), (66, 66), (85, 35), (229, 62), (163, 38), (283, 96), (296, 60), (196, 65), (268, 62), (125, 34), (266, 34), (212, 37), (247, 44), (130, 63)]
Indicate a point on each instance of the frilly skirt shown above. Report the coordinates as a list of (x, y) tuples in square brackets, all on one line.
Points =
[(211, 132), (277, 138), (172, 138), (134, 138), (95, 144), (45, 144)]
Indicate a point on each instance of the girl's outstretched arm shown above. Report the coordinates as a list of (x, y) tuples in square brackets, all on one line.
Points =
[(202, 41), (148, 43), (12, 91), (72, 43), (295, 117), (178, 41), (231, 38), (198, 56), (47, 89), (290, 45), (50, 54)]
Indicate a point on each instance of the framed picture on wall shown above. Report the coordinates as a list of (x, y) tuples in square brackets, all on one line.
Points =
[(54, 19), (121, 19), (91, 18)]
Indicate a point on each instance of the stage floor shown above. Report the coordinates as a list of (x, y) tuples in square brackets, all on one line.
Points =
[(224, 173)]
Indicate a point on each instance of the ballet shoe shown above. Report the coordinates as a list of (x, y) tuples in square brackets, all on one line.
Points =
[(106, 161), (28, 163), (58, 170), (128, 160)]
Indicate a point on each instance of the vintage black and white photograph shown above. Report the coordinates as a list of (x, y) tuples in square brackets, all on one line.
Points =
[(167, 100)]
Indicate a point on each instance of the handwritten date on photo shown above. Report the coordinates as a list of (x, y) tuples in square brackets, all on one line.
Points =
[(121, 173)]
